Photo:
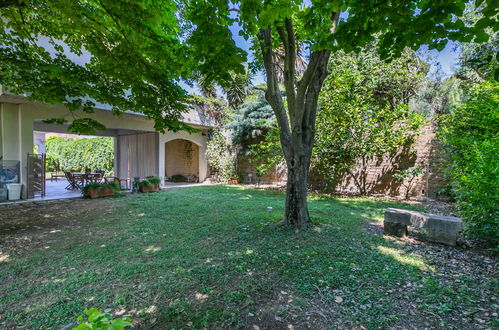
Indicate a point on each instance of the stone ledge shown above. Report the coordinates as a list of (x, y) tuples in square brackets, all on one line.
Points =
[(442, 229)]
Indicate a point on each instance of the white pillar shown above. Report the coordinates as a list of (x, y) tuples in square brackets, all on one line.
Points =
[(203, 163), (17, 137)]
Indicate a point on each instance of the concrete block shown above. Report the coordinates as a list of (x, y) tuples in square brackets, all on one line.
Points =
[(441, 229), (443, 237), (395, 229)]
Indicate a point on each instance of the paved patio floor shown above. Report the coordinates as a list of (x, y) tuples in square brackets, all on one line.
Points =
[(57, 190)]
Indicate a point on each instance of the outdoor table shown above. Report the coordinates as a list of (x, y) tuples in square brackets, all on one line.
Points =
[(87, 177)]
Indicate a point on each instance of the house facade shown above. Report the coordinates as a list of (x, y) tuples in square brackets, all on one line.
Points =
[(140, 151)]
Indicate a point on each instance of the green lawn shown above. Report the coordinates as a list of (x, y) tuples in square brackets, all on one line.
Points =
[(217, 257)]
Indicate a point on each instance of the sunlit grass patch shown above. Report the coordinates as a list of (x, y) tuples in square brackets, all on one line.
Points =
[(213, 256)]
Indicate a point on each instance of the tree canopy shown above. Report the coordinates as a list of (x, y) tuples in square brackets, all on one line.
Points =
[(129, 55), (141, 49)]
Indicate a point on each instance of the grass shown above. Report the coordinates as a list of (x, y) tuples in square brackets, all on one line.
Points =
[(217, 257)]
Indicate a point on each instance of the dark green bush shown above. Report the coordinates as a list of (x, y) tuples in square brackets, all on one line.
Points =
[(93, 153), (154, 180), (146, 182), (471, 134), (178, 178)]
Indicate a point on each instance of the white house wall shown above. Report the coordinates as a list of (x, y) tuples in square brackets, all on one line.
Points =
[(199, 138), (17, 121)]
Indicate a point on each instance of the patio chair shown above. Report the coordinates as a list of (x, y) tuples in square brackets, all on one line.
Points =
[(73, 183), (100, 175)]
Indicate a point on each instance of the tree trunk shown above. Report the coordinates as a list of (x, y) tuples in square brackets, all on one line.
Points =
[(296, 120), (296, 213)]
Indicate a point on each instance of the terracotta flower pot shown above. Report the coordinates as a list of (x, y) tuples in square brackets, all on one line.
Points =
[(106, 191), (144, 188), (234, 180), (93, 193), (155, 187)]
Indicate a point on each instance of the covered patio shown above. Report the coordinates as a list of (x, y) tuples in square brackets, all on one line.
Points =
[(139, 151)]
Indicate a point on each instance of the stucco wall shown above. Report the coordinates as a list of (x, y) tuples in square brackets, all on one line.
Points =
[(198, 138), (182, 157), (17, 118)]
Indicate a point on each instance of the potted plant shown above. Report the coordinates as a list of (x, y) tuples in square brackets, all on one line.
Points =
[(108, 189), (155, 181), (96, 190), (230, 172), (145, 186)]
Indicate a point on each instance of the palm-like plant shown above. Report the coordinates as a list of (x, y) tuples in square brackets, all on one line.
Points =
[(300, 65), (238, 88)]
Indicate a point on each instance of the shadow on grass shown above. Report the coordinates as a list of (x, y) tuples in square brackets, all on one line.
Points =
[(217, 257)]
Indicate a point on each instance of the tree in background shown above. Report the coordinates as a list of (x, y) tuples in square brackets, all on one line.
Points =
[(252, 119), (317, 26), (79, 154), (471, 134), (238, 88), (479, 61), (365, 113), (142, 48)]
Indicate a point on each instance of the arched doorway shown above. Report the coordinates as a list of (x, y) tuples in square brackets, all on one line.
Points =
[(182, 160)]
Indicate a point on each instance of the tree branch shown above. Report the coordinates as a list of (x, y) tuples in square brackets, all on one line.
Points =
[(289, 42), (273, 94)]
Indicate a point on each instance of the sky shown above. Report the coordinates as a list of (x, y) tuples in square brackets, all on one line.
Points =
[(446, 59)]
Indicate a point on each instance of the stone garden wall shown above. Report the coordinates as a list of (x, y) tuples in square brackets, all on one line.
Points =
[(426, 153)]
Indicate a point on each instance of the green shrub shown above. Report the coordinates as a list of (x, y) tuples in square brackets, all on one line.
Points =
[(86, 188), (406, 178), (94, 185), (114, 185), (95, 319), (178, 178), (146, 182), (94, 153), (154, 180), (471, 134)]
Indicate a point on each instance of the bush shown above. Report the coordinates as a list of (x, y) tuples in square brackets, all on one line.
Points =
[(178, 178), (154, 180), (94, 153), (146, 183), (85, 190), (471, 134), (95, 319)]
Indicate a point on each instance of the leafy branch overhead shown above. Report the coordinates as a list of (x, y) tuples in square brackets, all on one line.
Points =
[(139, 51), (126, 55)]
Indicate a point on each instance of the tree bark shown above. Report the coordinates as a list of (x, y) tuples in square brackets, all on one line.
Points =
[(297, 120), (296, 213)]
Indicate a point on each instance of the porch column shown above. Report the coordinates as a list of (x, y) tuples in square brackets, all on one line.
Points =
[(17, 137), (203, 163)]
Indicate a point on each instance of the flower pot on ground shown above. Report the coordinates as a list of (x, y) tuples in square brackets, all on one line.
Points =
[(155, 182), (106, 191), (96, 190), (234, 180), (93, 193), (146, 186)]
